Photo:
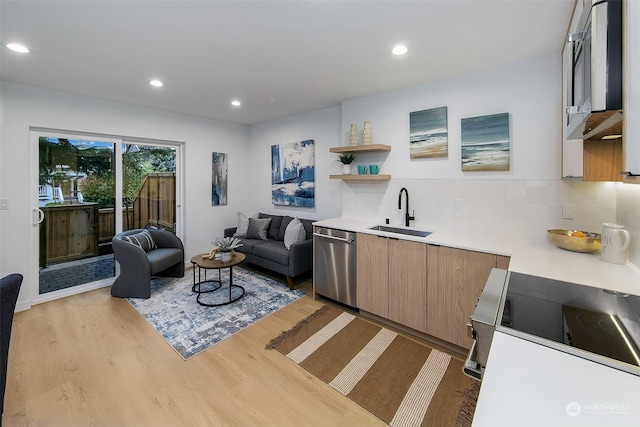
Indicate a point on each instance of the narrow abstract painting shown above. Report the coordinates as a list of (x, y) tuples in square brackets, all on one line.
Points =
[(218, 179), (293, 174), (485, 143), (428, 134)]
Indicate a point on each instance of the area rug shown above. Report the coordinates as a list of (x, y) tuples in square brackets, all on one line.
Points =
[(401, 381), (191, 328)]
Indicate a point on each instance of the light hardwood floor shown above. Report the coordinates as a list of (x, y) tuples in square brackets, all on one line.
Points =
[(92, 360)]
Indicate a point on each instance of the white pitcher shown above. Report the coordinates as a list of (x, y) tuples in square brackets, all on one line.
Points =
[(615, 240)]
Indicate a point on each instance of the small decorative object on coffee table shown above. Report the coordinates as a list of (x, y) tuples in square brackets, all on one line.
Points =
[(224, 249), (203, 262)]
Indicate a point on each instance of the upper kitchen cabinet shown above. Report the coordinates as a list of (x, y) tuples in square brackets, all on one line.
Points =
[(632, 90), (592, 93)]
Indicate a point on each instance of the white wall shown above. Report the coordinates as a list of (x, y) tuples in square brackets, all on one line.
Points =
[(525, 201), (529, 91), (24, 107), (323, 126)]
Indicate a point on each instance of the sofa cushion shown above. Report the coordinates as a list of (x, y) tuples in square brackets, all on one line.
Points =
[(248, 245), (283, 226), (243, 224), (143, 240), (273, 251), (162, 258), (295, 233), (258, 228), (274, 227)]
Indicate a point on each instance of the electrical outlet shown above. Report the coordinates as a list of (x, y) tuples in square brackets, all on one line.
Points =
[(4, 204), (457, 205), (567, 211)]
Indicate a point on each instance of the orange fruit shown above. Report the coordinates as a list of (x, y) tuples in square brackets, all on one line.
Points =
[(577, 234)]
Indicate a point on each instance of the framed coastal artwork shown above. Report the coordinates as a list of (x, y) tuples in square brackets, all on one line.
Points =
[(218, 179), (293, 174), (485, 143), (428, 134)]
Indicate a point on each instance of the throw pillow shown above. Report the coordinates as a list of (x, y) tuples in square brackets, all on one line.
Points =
[(274, 227), (143, 240), (283, 226), (258, 228), (243, 224), (294, 233)]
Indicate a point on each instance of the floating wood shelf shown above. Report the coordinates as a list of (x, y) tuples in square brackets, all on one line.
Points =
[(361, 177), (360, 148)]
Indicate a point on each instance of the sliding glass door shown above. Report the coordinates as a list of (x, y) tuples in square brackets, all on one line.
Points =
[(75, 187), (88, 189)]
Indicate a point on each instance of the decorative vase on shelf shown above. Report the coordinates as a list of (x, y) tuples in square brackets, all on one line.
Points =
[(353, 135), (346, 169), (366, 134)]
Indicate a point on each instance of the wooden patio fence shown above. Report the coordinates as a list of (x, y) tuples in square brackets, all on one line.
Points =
[(75, 231)]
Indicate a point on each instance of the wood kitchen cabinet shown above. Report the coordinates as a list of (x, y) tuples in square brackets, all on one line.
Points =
[(372, 267), (454, 283), (408, 283), (392, 279)]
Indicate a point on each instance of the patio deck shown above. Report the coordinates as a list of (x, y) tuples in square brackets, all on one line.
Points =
[(69, 274)]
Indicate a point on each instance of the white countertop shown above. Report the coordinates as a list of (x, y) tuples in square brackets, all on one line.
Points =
[(527, 384), (537, 256)]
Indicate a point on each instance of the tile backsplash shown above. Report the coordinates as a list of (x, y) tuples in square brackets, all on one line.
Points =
[(628, 214), (521, 208)]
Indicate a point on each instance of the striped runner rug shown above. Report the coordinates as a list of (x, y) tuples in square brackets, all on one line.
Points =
[(401, 381)]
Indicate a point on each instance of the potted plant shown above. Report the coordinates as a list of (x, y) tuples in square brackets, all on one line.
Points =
[(346, 159), (226, 247)]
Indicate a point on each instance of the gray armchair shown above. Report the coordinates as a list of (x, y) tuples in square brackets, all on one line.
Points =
[(164, 257)]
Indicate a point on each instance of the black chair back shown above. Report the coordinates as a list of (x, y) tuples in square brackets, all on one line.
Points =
[(9, 289)]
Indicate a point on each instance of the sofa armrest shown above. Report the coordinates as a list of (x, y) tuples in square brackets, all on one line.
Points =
[(300, 257), (229, 232), (129, 255)]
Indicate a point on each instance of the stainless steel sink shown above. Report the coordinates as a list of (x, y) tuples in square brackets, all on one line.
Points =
[(406, 231)]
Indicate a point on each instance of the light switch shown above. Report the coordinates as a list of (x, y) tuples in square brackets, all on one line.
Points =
[(4, 204)]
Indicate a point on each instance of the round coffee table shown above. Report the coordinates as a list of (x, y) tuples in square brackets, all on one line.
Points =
[(200, 264)]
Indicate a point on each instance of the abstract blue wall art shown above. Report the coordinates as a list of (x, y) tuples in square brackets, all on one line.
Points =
[(293, 174), (428, 134), (485, 143), (218, 179)]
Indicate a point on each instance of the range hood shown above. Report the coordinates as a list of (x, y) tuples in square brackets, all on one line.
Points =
[(602, 125), (594, 74)]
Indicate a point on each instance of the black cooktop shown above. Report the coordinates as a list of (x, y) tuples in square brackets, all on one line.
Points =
[(579, 319)]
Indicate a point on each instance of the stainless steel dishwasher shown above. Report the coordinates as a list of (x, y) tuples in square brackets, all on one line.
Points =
[(334, 264)]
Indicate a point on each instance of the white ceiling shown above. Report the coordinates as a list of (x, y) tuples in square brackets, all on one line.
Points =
[(278, 57)]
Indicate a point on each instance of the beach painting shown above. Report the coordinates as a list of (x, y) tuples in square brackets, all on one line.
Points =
[(218, 179), (485, 143), (428, 134), (293, 174)]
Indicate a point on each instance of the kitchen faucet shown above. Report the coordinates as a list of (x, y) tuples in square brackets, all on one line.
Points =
[(407, 217)]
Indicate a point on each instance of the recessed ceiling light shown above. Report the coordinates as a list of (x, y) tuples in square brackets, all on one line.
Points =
[(399, 50), (16, 47), (156, 83), (236, 103)]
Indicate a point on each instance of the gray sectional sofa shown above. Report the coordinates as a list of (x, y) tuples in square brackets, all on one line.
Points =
[(271, 253)]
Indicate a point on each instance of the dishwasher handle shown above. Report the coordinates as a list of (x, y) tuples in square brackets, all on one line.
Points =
[(339, 239)]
